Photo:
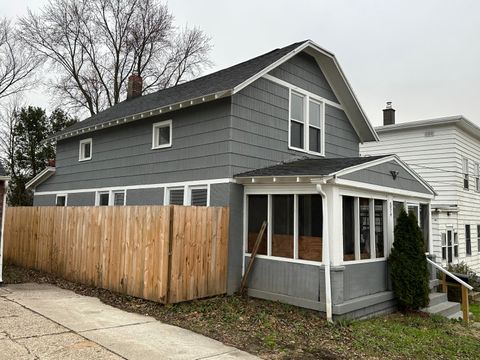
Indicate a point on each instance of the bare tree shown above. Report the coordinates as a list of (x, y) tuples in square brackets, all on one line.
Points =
[(16, 62), (96, 45)]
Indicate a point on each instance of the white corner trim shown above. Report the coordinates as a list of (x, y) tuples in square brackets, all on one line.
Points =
[(41, 177), (140, 187)]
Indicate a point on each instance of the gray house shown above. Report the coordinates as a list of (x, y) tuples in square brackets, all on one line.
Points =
[(274, 138)]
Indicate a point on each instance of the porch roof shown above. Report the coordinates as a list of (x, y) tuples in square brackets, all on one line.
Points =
[(309, 167)]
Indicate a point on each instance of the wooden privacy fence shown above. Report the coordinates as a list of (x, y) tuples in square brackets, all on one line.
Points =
[(161, 253)]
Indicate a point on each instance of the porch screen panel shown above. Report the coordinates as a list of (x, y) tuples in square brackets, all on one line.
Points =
[(379, 228), (425, 224), (257, 214), (310, 227), (364, 228), (282, 221), (348, 228), (397, 209)]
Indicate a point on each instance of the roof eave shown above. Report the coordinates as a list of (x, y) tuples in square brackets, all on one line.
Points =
[(40, 178)]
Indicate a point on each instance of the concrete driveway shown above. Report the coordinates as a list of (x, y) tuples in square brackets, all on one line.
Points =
[(41, 321)]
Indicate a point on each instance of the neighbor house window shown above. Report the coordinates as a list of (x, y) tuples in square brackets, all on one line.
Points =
[(477, 177), (198, 196), (162, 134), (478, 238), (306, 123), (175, 196), (61, 200), (364, 224), (468, 240), (449, 245), (85, 150), (296, 225), (465, 173)]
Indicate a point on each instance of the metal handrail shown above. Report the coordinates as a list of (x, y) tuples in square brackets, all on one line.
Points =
[(463, 283)]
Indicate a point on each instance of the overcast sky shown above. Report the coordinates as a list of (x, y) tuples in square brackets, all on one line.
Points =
[(422, 55)]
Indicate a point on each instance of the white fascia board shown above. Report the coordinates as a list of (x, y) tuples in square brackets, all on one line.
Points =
[(41, 177), (144, 114)]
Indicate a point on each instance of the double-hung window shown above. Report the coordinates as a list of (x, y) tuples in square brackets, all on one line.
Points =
[(85, 150), (465, 173), (306, 123), (468, 240), (162, 135)]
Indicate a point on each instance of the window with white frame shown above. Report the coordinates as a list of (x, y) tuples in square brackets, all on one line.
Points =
[(478, 238), (85, 150), (477, 177), (449, 245), (465, 173), (364, 224), (306, 123), (61, 200), (118, 198), (296, 225), (103, 198), (198, 196), (162, 135), (175, 196), (111, 198)]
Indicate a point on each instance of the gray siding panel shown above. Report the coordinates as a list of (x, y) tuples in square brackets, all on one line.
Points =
[(145, 196), (122, 155), (81, 199), (303, 71), (364, 279), (380, 175), (44, 200)]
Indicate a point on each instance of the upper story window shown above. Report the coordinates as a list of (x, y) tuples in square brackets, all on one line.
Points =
[(162, 135), (85, 150), (306, 125), (465, 173)]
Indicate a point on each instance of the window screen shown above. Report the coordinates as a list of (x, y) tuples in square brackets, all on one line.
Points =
[(282, 222), (176, 196), (348, 228), (364, 228), (257, 214), (103, 199), (310, 227), (199, 197), (119, 198)]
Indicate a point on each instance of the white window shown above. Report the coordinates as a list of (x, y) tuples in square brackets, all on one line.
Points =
[(364, 224), (118, 198), (111, 198), (85, 150), (296, 225), (306, 123), (198, 196), (175, 196), (61, 200), (162, 135), (465, 173), (449, 245), (103, 198)]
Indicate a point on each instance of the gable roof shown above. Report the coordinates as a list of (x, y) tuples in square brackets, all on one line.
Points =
[(225, 83), (309, 167), (458, 120)]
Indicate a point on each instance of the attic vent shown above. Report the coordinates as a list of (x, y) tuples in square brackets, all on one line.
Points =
[(429, 133)]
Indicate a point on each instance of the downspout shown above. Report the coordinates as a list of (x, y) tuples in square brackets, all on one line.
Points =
[(326, 254), (4, 210)]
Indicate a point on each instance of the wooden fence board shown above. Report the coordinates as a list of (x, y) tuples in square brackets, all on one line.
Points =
[(161, 253)]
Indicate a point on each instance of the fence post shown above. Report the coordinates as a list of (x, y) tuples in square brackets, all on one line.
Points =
[(171, 210), (465, 307)]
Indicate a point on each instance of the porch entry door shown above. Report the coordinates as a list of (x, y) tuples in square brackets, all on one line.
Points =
[(449, 246)]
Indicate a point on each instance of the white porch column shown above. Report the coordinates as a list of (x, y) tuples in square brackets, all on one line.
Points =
[(334, 218), (390, 227)]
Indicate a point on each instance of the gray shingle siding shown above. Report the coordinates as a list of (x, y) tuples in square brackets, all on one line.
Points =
[(145, 196), (123, 155)]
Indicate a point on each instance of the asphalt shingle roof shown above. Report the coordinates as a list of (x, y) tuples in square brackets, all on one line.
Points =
[(305, 167), (219, 81)]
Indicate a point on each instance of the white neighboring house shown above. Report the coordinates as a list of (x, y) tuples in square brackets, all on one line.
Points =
[(446, 153)]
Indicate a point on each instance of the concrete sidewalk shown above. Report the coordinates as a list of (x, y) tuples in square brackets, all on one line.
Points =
[(41, 321)]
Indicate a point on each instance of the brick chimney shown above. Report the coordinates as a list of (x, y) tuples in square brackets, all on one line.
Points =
[(389, 114), (134, 88)]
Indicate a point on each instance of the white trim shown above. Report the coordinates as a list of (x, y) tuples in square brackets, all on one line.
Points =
[(383, 189), (364, 261), (81, 149), (62, 194), (277, 258), (159, 125), (50, 170), (301, 90), (197, 187), (112, 195), (97, 197), (166, 201), (140, 187)]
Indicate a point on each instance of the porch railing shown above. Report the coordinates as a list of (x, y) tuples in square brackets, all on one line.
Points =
[(464, 286)]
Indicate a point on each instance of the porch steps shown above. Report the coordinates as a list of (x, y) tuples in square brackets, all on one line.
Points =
[(440, 305)]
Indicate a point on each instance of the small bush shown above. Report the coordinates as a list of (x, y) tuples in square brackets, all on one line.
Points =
[(409, 269)]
